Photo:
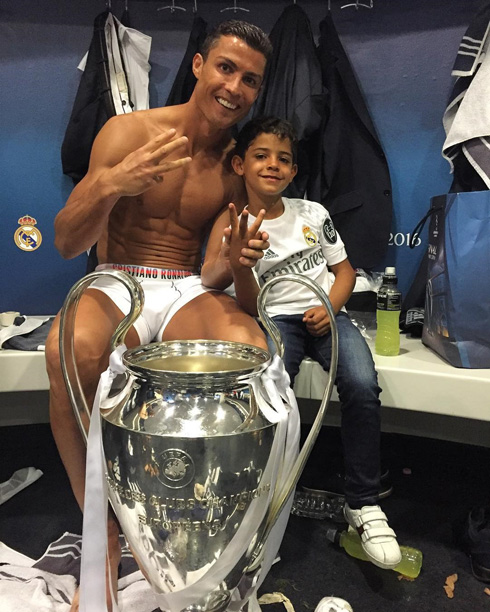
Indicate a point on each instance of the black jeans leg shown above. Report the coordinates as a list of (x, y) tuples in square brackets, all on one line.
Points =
[(357, 385)]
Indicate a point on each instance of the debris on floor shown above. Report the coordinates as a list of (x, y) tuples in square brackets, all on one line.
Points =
[(449, 586), (270, 598)]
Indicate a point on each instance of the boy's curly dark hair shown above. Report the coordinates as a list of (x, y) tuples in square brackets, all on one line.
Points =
[(266, 125)]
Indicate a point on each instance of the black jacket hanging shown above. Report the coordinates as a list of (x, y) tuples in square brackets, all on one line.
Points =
[(185, 80), (116, 58), (93, 106), (352, 178), (292, 88)]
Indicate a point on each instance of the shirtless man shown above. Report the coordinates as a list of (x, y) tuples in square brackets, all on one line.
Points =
[(157, 179)]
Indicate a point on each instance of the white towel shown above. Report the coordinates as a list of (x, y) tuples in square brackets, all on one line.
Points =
[(470, 117), (26, 587), (17, 482), (467, 117)]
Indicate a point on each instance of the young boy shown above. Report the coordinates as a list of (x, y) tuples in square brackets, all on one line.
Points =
[(303, 240)]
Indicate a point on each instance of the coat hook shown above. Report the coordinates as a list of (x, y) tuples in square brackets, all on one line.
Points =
[(172, 7), (235, 8), (357, 4)]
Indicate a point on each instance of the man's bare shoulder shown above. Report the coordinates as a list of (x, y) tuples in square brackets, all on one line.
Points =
[(138, 126), (123, 134)]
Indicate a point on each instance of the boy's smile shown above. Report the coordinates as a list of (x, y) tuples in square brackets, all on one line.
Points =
[(267, 170)]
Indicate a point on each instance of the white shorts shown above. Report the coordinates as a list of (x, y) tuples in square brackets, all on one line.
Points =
[(166, 292)]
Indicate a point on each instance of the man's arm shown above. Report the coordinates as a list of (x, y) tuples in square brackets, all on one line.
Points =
[(317, 319), (118, 167)]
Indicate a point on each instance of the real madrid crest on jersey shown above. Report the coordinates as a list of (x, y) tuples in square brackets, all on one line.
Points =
[(329, 231), (27, 237), (310, 237)]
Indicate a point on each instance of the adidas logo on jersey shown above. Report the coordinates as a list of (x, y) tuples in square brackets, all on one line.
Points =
[(269, 254)]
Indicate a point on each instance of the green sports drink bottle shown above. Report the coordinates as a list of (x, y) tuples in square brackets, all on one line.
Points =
[(350, 541), (388, 306)]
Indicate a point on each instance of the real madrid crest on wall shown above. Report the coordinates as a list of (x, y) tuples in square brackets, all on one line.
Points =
[(28, 237)]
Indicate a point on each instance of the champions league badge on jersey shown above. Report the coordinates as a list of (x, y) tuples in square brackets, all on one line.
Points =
[(310, 237), (27, 237), (329, 231)]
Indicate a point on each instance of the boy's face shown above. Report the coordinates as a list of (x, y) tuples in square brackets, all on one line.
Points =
[(268, 166), (228, 81)]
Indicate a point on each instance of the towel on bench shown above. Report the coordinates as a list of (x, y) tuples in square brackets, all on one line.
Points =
[(26, 333)]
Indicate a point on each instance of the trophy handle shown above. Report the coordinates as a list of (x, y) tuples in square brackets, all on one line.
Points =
[(280, 500), (66, 337)]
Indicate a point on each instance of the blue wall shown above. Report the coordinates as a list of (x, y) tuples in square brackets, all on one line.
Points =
[(402, 53)]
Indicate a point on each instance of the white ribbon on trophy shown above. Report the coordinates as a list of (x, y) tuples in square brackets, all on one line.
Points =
[(277, 403)]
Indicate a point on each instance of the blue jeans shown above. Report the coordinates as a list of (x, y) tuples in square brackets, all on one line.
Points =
[(357, 386)]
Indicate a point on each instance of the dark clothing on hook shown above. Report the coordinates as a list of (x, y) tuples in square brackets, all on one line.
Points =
[(185, 80), (293, 87), (92, 108), (125, 18), (351, 176), (116, 54), (104, 92)]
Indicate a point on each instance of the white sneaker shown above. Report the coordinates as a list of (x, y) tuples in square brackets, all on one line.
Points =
[(377, 538), (333, 604)]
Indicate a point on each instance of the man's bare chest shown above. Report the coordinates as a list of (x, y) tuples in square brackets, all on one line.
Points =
[(189, 198)]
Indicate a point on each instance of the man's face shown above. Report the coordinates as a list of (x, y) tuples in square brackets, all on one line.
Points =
[(229, 81)]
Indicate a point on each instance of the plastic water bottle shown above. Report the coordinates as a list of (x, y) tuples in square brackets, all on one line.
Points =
[(388, 306), (316, 504), (350, 541)]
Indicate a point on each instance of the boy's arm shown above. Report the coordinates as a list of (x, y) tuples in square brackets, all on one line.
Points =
[(216, 270), (119, 166), (246, 286), (345, 279), (317, 319), (247, 290)]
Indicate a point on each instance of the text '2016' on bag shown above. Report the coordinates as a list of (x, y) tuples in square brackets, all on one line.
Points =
[(457, 303)]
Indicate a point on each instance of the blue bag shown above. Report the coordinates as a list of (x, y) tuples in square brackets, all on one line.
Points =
[(457, 301)]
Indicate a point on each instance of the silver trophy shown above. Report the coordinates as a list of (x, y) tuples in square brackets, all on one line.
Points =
[(188, 453)]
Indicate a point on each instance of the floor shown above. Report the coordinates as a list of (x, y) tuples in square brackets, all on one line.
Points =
[(435, 484)]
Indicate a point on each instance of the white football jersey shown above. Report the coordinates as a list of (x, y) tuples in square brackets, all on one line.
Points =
[(303, 240)]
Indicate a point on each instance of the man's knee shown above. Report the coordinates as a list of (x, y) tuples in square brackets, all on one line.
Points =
[(219, 318), (52, 352), (90, 357), (248, 334)]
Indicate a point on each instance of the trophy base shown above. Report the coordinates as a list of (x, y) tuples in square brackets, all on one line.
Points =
[(217, 601)]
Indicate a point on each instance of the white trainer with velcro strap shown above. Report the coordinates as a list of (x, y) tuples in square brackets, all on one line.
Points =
[(377, 538)]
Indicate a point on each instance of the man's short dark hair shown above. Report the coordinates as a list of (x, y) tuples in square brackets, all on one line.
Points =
[(249, 33), (266, 125)]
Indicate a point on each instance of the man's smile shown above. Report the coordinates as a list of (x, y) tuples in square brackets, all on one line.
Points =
[(226, 103)]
